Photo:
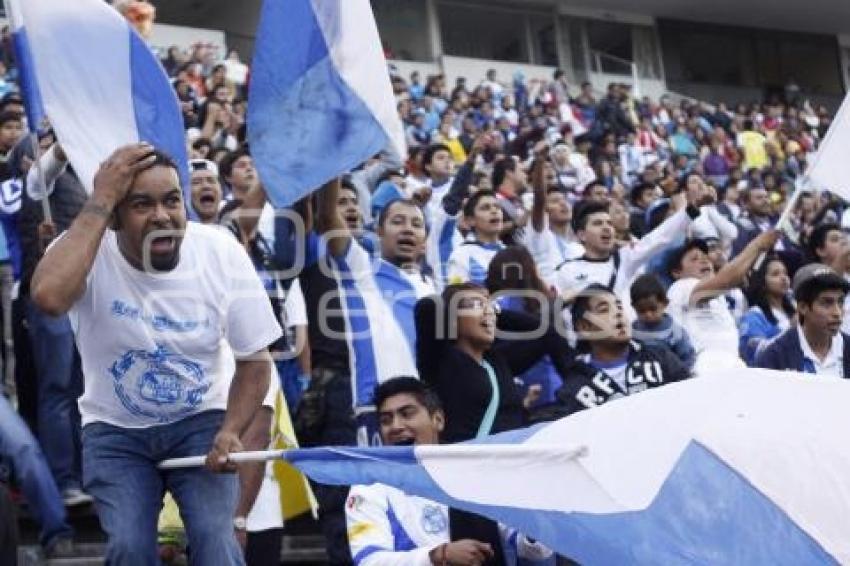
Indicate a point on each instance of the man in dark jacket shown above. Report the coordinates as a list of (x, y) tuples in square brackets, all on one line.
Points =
[(616, 365), (816, 345), (610, 116)]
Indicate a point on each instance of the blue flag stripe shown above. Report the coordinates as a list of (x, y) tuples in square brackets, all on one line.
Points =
[(305, 123), (26, 78), (157, 110)]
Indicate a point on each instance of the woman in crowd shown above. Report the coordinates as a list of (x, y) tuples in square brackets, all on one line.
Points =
[(457, 354), (514, 283), (772, 309)]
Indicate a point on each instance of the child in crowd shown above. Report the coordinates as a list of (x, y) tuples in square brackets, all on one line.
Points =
[(654, 326)]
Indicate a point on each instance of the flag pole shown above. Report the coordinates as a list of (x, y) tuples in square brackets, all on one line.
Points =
[(39, 171), (235, 457), (784, 217)]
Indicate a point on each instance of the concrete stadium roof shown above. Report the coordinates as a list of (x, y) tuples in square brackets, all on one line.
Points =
[(813, 16)]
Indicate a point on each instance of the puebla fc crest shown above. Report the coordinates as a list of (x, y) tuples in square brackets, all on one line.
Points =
[(159, 385)]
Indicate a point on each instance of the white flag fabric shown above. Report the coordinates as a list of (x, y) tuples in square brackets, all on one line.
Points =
[(97, 82), (750, 467), (830, 169)]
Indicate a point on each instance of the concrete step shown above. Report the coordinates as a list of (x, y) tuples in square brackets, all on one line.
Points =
[(304, 550), (87, 554), (302, 544)]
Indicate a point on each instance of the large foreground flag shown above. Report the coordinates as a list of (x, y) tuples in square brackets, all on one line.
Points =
[(99, 84), (753, 468), (321, 101), (830, 169)]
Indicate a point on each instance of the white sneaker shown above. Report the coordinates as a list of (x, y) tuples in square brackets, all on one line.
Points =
[(73, 496)]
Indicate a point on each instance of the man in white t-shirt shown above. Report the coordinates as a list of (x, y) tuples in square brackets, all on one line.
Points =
[(603, 262), (697, 302), (172, 325)]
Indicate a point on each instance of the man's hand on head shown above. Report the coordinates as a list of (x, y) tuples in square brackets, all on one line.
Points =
[(115, 176)]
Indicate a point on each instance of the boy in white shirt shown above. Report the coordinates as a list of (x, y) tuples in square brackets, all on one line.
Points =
[(697, 300)]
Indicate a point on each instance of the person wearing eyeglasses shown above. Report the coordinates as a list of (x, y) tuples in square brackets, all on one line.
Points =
[(458, 356)]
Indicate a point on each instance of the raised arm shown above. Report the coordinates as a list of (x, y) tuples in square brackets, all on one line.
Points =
[(328, 220), (663, 236), (453, 200), (52, 164), (725, 228), (538, 182), (60, 277), (733, 273)]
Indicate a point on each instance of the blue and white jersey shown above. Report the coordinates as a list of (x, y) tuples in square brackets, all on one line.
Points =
[(470, 261), (565, 249), (387, 527), (619, 270), (439, 191), (377, 300), (443, 239)]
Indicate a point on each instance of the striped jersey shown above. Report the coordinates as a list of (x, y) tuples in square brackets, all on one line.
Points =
[(470, 261), (377, 299)]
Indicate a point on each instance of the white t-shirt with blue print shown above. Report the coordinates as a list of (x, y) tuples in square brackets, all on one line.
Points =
[(157, 348)]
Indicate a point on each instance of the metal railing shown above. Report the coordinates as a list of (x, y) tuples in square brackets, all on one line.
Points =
[(612, 65)]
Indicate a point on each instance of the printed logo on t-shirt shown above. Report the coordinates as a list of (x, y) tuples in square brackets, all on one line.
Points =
[(639, 376), (160, 385)]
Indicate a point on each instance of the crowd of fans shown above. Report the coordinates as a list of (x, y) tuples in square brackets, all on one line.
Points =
[(542, 248)]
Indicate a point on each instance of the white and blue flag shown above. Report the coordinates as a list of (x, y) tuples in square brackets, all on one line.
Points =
[(321, 101), (85, 68), (752, 468), (23, 59)]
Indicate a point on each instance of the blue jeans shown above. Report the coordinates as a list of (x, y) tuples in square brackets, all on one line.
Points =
[(19, 446), (119, 471), (59, 385)]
